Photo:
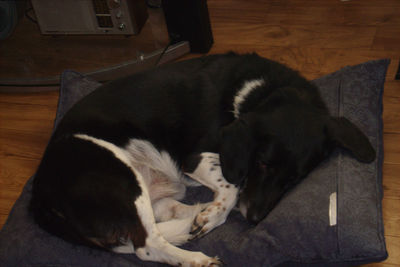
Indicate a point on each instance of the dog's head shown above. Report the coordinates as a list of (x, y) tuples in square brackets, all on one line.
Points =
[(271, 149)]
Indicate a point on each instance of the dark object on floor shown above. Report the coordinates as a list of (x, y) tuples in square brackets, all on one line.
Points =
[(301, 230), (189, 21), (10, 13)]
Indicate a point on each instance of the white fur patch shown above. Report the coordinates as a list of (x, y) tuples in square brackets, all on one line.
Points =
[(159, 170), (127, 248), (143, 152), (156, 169), (209, 173), (243, 92), (151, 166)]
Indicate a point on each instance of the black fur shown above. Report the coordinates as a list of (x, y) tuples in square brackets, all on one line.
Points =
[(284, 131), (81, 190)]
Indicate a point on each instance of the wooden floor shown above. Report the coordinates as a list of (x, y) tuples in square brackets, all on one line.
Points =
[(314, 37)]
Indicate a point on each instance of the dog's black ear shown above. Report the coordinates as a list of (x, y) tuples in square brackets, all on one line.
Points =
[(348, 136), (236, 149)]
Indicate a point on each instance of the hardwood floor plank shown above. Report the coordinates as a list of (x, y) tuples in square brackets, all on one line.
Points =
[(23, 144), (249, 11), (393, 247), (391, 144), (327, 13), (26, 117), (392, 70), (387, 38), (17, 170), (45, 99), (391, 114), (392, 88), (14, 172), (380, 264), (320, 36), (391, 181), (367, 13), (391, 217)]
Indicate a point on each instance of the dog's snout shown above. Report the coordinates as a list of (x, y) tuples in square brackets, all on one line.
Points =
[(248, 212), (253, 220), (254, 217)]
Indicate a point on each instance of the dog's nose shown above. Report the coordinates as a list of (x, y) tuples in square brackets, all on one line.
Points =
[(255, 215), (249, 212), (253, 218)]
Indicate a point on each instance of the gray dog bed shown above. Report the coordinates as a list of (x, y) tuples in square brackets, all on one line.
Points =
[(333, 218)]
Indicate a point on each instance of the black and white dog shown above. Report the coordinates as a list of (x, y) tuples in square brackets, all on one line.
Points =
[(113, 172)]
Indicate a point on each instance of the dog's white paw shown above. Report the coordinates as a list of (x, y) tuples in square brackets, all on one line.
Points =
[(216, 213), (210, 218)]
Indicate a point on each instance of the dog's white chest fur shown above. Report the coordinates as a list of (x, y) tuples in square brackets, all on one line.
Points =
[(243, 92)]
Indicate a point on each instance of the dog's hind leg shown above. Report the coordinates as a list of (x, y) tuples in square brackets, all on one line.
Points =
[(176, 231), (167, 209), (156, 247), (208, 172), (175, 219)]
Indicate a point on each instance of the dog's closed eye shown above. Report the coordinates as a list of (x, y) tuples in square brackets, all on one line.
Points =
[(262, 165), (266, 167)]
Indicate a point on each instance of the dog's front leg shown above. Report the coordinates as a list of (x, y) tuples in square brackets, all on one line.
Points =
[(156, 247), (208, 172)]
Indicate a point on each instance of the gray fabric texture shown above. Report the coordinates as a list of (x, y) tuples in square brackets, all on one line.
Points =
[(296, 233)]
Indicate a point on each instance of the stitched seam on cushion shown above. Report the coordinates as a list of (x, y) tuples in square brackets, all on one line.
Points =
[(379, 162), (338, 172)]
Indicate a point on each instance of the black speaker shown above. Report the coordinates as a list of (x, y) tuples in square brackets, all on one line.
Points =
[(10, 11), (188, 20)]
